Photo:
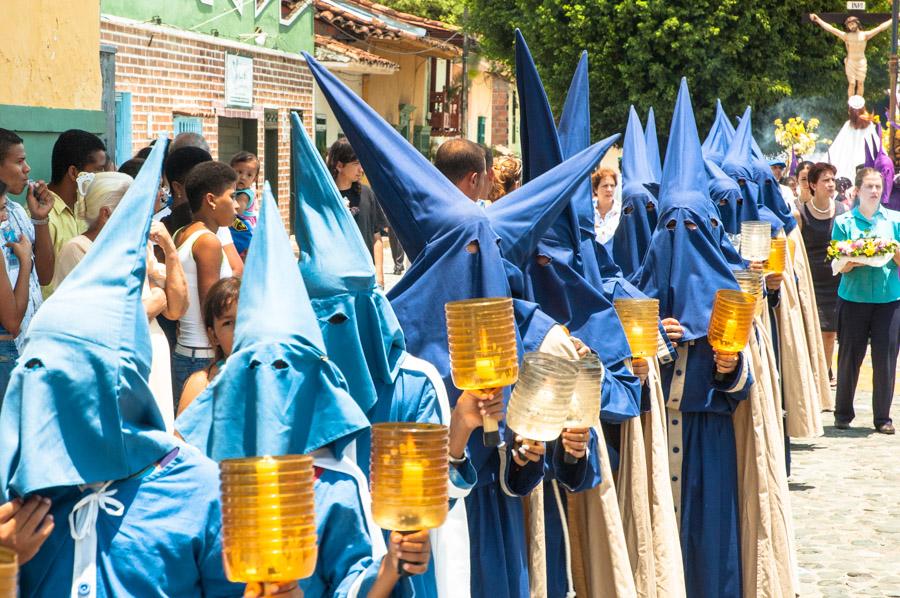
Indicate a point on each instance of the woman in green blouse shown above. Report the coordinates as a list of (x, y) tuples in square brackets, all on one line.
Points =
[(868, 306)]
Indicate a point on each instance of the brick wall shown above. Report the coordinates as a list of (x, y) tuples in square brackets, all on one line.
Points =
[(500, 112), (170, 72)]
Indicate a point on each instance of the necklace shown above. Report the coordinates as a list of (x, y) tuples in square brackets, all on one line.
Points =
[(826, 211)]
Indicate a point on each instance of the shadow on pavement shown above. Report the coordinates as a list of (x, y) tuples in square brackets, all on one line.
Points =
[(832, 432)]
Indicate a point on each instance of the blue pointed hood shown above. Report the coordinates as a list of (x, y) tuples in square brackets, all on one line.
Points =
[(717, 142), (652, 144), (637, 218), (560, 281), (685, 264), (78, 409), (394, 169), (541, 149), (457, 252), (771, 201), (738, 164), (278, 392), (361, 332), (726, 195)]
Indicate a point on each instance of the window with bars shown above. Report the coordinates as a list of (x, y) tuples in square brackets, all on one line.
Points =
[(188, 124)]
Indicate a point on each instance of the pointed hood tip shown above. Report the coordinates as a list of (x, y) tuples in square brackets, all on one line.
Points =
[(684, 179)]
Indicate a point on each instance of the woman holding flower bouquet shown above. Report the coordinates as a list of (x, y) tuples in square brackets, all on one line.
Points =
[(869, 300), (817, 218)]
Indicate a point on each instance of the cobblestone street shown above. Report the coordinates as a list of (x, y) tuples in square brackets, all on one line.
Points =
[(846, 502)]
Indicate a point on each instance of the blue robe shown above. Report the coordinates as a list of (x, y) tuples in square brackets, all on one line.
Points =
[(167, 542), (345, 560), (708, 510), (583, 475)]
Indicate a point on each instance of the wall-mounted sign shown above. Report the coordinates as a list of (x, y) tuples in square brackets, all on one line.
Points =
[(856, 5), (238, 81)]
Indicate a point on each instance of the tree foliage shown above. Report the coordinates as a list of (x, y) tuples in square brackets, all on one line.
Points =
[(761, 52), (448, 11)]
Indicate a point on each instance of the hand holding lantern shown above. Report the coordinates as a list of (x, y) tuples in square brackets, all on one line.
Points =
[(730, 325), (410, 477), (483, 354)]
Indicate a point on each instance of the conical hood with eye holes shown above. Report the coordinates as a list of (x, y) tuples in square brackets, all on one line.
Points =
[(459, 255), (685, 265), (738, 164), (559, 282), (720, 136), (278, 393), (770, 198), (639, 208), (78, 409), (361, 332)]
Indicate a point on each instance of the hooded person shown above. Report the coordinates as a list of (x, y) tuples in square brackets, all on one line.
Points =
[(278, 393), (683, 269), (719, 138), (642, 480), (878, 159), (650, 140), (80, 425), (443, 232), (638, 214), (364, 339), (804, 373)]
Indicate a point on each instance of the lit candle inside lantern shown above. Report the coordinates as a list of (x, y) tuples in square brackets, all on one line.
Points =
[(412, 480), (728, 336)]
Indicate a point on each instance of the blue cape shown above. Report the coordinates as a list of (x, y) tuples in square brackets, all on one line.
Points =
[(639, 210), (79, 409), (361, 332), (278, 392), (685, 266)]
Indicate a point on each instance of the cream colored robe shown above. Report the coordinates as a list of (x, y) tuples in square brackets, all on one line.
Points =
[(768, 559), (801, 390), (810, 313)]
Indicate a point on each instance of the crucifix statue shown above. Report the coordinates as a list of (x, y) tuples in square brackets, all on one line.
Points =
[(855, 39)]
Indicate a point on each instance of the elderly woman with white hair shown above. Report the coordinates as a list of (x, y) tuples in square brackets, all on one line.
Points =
[(165, 290)]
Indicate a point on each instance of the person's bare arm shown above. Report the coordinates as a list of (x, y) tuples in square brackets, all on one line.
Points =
[(175, 284), (873, 32), (234, 260), (154, 302), (207, 252), (378, 257), (12, 314), (195, 384), (39, 205), (826, 26)]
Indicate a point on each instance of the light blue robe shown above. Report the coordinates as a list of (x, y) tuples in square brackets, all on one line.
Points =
[(167, 542)]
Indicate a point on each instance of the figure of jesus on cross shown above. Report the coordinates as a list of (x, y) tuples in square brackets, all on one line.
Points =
[(855, 38)]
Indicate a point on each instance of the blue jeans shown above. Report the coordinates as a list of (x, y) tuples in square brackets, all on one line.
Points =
[(8, 356), (182, 368)]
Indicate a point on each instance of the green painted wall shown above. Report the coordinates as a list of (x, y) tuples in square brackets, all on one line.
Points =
[(39, 128), (221, 17)]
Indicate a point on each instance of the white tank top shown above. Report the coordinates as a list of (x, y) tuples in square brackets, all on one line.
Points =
[(191, 331)]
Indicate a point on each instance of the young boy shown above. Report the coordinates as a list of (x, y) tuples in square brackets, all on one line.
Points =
[(246, 165), (210, 191)]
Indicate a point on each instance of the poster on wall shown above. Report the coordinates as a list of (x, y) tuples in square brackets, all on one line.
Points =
[(238, 81)]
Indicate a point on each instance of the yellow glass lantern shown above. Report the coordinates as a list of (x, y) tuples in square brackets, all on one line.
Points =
[(268, 518), (540, 402), (9, 573), (640, 320), (777, 256), (731, 322), (756, 240), (481, 335), (752, 282), (410, 474)]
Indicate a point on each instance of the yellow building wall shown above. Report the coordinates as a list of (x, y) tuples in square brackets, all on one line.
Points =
[(481, 94), (385, 93), (50, 54)]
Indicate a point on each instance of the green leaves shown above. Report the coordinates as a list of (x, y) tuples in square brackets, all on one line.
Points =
[(763, 53)]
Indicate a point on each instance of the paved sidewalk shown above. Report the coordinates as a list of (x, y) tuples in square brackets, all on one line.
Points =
[(845, 492)]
